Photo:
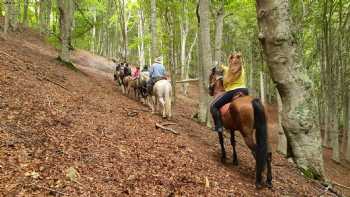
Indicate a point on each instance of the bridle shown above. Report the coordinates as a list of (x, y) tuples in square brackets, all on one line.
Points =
[(213, 82)]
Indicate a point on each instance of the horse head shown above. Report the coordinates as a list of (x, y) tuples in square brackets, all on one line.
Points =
[(215, 81)]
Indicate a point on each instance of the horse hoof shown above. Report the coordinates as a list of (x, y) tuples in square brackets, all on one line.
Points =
[(269, 184), (258, 186), (235, 163), (223, 160)]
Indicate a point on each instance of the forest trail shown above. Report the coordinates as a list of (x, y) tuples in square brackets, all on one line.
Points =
[(66, 132)]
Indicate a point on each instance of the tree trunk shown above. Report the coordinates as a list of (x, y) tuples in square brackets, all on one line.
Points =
[(93, 31), (7, 15), (169, 17), (292, 84), (262, 87), (25, 13), (205, 58), (141, 46), (188, 61), (218, 34), (282, 140), (15, 12), (10, 16), (66, 10), (348, 130), (184, 33), (154, 49), (44, 16)]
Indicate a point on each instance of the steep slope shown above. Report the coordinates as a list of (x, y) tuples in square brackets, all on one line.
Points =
[(64, 132)]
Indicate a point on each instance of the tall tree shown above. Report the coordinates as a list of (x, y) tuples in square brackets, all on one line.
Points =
[(44, 16), (204, 57), (11, 14), (66, 10), (293, 84), (124, 19), (141, 33), (154, 48), (219, 28), (25, 12), (184, 28)]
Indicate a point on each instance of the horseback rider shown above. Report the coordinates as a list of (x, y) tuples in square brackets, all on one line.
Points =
[(156, 73), (127, 69), (115, 74), (136, 73), (234, 83)]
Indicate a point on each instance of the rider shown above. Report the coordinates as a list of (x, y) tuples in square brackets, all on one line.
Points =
[(136, 73), (234, 83), (156, 73), (127, 70)]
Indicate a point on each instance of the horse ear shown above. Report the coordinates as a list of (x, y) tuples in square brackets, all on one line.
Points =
[(213, 69)]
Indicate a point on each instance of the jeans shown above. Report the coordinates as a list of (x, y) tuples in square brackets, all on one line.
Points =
[(220, 101)]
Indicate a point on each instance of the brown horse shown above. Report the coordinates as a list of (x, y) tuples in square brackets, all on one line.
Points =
[(132, 84), (246, 115)]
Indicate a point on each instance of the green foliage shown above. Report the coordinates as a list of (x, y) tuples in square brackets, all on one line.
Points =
[(311, 173)]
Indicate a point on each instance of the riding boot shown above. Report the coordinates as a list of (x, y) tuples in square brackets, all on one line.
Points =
[(217, 119)]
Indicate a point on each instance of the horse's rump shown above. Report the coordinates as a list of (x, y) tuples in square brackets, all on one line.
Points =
[(238, 112), (162, 88)]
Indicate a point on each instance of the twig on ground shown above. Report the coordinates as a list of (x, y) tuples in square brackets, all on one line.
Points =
[(132, 113), (49, 80), (166, 128), (340, 185), (168, 123), (132, 109), (52, 190)]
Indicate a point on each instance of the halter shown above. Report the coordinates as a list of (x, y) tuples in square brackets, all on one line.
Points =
[(212, 84), (217, 78)]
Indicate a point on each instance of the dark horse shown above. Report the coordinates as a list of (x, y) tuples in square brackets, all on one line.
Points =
[(246, 115)]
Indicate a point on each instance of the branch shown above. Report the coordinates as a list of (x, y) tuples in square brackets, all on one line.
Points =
[(168, 123), (188, 80), (49, 80), (51, 190), (166, 128), (227, 15), (340, 185)]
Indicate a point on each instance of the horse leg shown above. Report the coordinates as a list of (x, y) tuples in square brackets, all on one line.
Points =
[(154, 104), (162, 106), (269, 171), (223, 152), (250, 143), (233, 143), (123, 89)]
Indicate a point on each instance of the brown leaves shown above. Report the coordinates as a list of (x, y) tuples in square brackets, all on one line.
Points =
[(56, 143)]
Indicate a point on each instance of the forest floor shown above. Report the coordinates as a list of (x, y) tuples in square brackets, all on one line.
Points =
[(66, 132)]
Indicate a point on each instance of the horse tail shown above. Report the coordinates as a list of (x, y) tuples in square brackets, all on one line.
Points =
[(260, 135)]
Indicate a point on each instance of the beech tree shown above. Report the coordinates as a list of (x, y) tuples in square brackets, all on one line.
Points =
[(292, 83), (66, 10)]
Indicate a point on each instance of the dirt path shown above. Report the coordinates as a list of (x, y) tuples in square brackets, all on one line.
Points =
[(68, 133)]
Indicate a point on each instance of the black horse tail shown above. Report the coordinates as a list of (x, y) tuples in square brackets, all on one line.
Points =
[(260, 136)]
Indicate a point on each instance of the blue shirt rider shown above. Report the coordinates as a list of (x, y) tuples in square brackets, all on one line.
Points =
[(156, 73)]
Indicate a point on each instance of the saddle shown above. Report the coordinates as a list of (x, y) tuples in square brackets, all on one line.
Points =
[(152, 82), (225, 109)]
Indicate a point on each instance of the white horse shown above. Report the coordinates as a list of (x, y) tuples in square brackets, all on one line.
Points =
[(162, 92), (161, 95)]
